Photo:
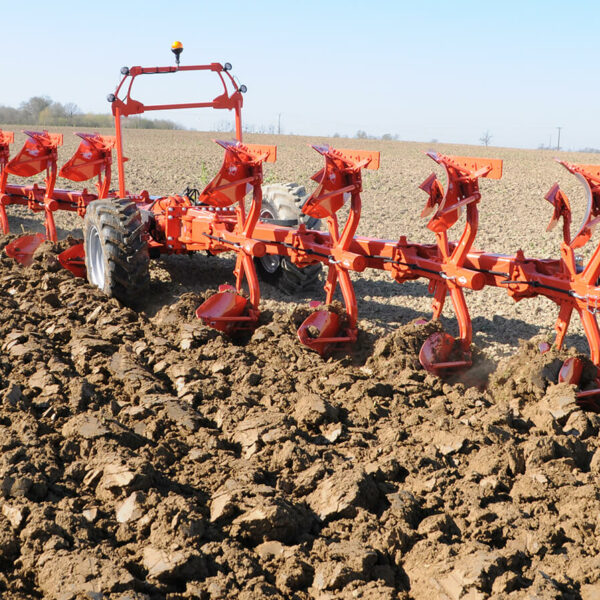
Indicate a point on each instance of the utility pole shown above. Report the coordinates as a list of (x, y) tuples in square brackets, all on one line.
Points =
[(279, 124), (558, 143)]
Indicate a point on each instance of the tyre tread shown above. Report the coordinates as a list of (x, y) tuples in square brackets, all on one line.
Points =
[(126, 266), (285, 202)]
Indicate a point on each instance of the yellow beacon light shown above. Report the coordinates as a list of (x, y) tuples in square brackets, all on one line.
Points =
[(177, 49)]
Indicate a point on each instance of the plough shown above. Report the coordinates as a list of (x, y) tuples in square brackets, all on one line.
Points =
[(122, 231)]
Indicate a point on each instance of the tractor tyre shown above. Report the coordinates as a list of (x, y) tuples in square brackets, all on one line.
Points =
[(282, 204), (116, 252)]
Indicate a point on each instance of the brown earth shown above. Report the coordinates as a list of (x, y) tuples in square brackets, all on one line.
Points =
[(146, 456)]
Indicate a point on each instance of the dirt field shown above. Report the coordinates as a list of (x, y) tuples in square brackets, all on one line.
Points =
[(145, 456)]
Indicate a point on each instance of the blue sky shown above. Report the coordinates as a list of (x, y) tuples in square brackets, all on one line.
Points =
[(423, 71)]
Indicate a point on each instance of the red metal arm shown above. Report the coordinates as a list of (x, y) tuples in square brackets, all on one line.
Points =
[(241, 172), (6, 139), (39, 153), (338, 181), (93, 158), (463, 190), (230, 99)]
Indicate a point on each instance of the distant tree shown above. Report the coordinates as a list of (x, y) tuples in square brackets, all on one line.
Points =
[(361, 135), (44, 116), (54, 114), (41, 110), (486, 138), (71, 109), (8, 114), (34, 106), (387, 137), (433, 141), (336, 135)]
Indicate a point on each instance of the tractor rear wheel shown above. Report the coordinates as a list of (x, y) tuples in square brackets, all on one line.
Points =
[(282, 204), (116, 253)]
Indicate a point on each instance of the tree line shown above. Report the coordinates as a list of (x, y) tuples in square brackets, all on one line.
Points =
[(42, 110)]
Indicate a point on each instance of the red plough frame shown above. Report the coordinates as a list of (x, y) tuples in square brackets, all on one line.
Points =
[(220, 221)]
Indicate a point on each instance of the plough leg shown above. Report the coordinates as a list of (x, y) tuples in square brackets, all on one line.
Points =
[(592, 333), (464, 320), (4, 220), (330, 284), (50, 226), (439, 299), (349, 298), (244, 267), (562, 323)]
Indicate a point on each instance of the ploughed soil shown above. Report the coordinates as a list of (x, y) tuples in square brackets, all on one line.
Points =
[(145, 456)]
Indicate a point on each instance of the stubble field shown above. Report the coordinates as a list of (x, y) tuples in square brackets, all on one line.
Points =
[(145, 456)]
